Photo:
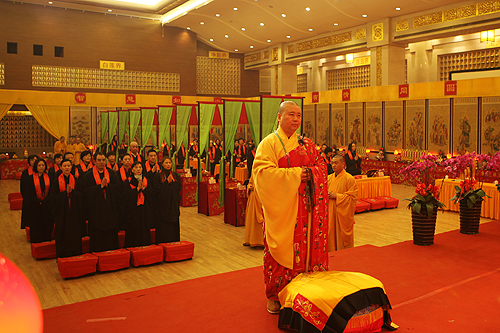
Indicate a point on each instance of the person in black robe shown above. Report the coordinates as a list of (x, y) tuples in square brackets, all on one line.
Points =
[(134, 152), (67, 204), (138, 202), (168, 150), (85, 163), (151, 165), (181, 157), (167, 185), (250, 157), (36, 210), (352, 160), (25, 176), (112, 165), (101, 191), (328, 159), (123, 173), (53, 172)]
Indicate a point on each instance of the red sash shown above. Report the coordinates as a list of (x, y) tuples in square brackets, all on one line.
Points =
[(114, 167), (212, 153), (123, 174), (134, 159), (62, 185), (77, 173), (170, 177), (98, 180), (85, 168), (113, 146), (350, 155), (148, 167), (140, 196), (38, 188), (56, 167), (30, 171), (253, 153)]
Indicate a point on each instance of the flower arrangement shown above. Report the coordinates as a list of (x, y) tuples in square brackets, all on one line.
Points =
[(495, 166), (469, 167), (381, 154), (427, 194)]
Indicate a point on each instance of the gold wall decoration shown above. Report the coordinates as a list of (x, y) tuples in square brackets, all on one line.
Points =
[(459, 13), (325, 41), (377, 32), (361, 33), (402, 25), (218, 54), (114, 65), (2, 74), (488, 7), (347, 78), (253, 57), (93, 78), (276, 77), (275, 54), (24, 131), (289, 49), (265, 55), (479, 59), (217, 76), (302, 83), (427, 19), (379, 66)]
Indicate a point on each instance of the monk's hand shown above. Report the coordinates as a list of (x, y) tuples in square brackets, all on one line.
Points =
[(69, 189), (356, 157), (332, 195), (104, 182), (154, 168), (305, 176), (139, 185)]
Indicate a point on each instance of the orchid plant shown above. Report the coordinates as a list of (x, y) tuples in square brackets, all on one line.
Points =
[(427, 193), (494, 165)]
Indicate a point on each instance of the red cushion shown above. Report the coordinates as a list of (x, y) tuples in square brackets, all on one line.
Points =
[(15, 195), (77, 265), (112, 260), (375, 203), (153, 233), (145, 255), (44, 250), (177, 251), (121, 238), (390, 202), (362, 206), (27, 229), (16, 204), (86, 244)]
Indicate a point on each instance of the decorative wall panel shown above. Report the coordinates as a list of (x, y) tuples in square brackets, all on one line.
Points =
[(338, 125), (465, 123), (323, 124), (355, 123), (373, 123), (490, 136), (2, 74), (479, 59), (309, 122), (80, 118), (415, 125), (92, 78), (346, 78), (393, 119), (302, 83), (23, 131), (217, 76), (439, 125)]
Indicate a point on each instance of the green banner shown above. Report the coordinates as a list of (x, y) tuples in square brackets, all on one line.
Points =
[(135, 118), (113, 123), (253, 115), (104, 126), (148, 117), (123, 117), (164, 116)]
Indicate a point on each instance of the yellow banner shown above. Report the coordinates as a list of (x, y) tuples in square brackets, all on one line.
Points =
[(217, 54), (116, 65), (362, 61)]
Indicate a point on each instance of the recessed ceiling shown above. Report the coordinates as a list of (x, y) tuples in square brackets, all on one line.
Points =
[(259, 23)]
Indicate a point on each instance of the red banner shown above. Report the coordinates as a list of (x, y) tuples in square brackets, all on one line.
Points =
[(404, 90), (450, 88), (346, 95), (218, 99), (176, 99), (315, 97), (80, 98), (130, 99)]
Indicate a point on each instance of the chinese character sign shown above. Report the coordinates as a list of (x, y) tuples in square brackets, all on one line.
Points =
[(115, 65), (176, 99), (346, 95), (80, 98), (130, 99), (450, 88), (216, 54), (404, 90), (315, 97)]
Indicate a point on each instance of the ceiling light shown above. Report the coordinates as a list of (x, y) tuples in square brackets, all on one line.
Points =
[(308, 9), (183, 9), (269, 41), (235, 8), (335, 24), (227, 36), (243, 29), (202, 23), (284, 15), (110, 10), (188, 28), (397, 8), (217, 14), (251, 46), (287, 36), (310, 29), (349, 58), (235, 50), (487, 36), (211, 39), (50, 2), (261, 24), (364, 15)]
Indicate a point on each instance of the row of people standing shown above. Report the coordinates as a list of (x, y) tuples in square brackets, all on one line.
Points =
[(351, 157), (109, 199)]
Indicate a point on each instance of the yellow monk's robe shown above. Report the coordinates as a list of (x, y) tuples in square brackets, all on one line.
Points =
[(341, 211), (277, 189), (59, 147), (254, 234), (78, 147)]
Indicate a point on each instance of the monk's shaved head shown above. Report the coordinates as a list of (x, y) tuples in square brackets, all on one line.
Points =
[(286, 104)]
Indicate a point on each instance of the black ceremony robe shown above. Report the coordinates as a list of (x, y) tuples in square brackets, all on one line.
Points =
[(353, 167), (25, 177), (102, 211), (69, 220), (139, 220), (121, 184), (167, 209), (37, 213), (181, 158), (53, 173)]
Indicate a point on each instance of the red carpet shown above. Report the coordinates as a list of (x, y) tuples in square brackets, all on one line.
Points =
[(452, 286)]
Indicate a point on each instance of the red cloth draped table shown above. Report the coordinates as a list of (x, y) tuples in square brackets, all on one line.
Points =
[(241, 174), (188, 191), (374, 187), (490, 207), (394, 168), (9, 168), (235, 204), (374, 165), (208, 199), (492, 176)]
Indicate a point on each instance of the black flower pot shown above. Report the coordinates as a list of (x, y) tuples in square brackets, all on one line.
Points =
[(469, 217), (423, 227)]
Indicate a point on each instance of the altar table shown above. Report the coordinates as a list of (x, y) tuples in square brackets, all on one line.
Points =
[(241, 174), (188, 191), (235, 204), (208, 199), (374, 187), (9, 168), (490, 207)]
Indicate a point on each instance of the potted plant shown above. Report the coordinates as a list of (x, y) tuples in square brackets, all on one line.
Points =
[(425, 203), (471, 168)]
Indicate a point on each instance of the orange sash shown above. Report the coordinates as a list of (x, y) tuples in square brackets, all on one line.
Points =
[(98, 180), (62, 185), (30, 171), (114, 167), (134, 158), (170, 177), (148, 166), (140, 196), (38, 188), (56, 167), (123, 174), (350, 155), (85, 168)]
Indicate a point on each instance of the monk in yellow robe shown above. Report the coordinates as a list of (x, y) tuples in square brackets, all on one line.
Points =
[(60, 146), (343, 194), (290, 179), (79, 147), (254, 234)]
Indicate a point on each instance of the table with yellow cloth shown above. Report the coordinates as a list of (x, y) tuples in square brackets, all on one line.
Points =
[(241, 174), (194, 164), (490, 207), (372, 187), (217, 169)]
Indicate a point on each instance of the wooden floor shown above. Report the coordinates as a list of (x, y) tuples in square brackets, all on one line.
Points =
[(218, 249)]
